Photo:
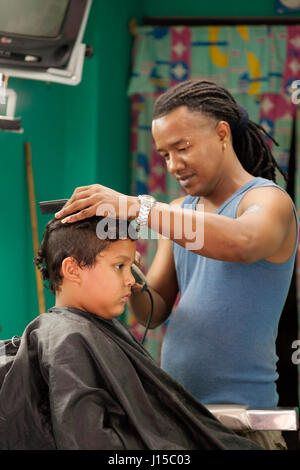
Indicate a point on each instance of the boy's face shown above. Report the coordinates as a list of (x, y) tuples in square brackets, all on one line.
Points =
[(106, 286)]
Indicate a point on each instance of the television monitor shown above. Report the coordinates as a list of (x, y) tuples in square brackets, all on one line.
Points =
[(40, 34)]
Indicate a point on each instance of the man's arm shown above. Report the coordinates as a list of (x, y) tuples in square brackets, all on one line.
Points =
[(270, 214), (251, 236), (255, 234)]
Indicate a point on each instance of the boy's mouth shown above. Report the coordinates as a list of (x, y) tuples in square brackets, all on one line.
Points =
[(126, 297)]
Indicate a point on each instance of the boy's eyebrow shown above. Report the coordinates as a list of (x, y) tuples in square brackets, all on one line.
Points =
[(122, 257)]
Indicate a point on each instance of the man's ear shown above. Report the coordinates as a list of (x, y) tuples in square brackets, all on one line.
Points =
[(223, 131), (71, 270)]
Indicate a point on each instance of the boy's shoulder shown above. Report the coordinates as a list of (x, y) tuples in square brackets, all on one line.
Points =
[(62, 327), (59, 326), (56, 317)]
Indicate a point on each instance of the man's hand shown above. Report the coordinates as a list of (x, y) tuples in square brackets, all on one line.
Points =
[(87, 201), (136, 287)]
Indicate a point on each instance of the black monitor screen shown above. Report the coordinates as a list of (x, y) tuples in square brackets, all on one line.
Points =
[(41, 18)]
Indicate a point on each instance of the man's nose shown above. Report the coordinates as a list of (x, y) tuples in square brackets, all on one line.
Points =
[(175, 163)]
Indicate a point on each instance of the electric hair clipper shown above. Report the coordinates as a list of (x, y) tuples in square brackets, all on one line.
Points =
[(139, 277)]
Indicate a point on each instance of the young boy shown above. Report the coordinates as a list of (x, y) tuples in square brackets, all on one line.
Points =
[(79, 379)]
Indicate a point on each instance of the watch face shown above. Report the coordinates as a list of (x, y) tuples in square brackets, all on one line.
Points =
[(147, 199)]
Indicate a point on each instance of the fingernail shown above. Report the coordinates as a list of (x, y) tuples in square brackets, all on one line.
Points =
[(57, 214), (64, 220)]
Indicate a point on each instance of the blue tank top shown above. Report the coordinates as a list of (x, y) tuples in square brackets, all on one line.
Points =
[(220, 339)]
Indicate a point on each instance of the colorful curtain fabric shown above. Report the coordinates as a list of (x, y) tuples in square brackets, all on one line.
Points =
[(257, 64)]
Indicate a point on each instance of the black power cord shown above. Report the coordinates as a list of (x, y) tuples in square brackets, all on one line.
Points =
[(150, 316)]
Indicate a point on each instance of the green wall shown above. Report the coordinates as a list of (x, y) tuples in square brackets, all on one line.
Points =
[(79, 135)]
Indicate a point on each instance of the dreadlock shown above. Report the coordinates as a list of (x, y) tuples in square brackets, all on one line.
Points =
[(248, 138)]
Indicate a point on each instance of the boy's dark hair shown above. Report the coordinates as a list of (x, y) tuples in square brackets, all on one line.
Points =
[(249, 141), (83, 240)]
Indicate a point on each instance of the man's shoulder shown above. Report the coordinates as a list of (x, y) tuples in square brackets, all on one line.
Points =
[(268, 196), (177, 202)]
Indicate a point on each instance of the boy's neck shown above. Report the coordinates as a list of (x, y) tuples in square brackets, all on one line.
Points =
[(63, 300)]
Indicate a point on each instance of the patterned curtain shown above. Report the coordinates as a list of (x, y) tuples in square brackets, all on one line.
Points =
[(257, 64)]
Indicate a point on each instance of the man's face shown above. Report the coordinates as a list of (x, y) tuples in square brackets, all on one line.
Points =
[(190, 144), (105, 287)]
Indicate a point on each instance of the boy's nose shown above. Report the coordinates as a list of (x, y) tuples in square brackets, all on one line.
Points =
[(130, 280)]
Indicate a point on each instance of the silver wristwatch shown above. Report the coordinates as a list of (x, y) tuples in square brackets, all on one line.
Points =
[(146, 204)]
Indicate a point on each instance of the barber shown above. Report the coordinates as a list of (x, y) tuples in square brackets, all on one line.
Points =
[(228, 247)]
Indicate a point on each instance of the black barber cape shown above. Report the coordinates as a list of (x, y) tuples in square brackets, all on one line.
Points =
[(80, 382)]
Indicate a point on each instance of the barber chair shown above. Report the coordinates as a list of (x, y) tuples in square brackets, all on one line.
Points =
[(240, 418)]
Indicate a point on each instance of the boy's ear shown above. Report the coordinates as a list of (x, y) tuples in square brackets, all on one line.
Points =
[(71, 270)]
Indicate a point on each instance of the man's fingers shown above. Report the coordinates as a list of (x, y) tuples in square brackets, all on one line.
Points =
[(71, 208), (135, 288), (83, 214), (82, 188), (75, 204), (138, 259), (80, 193)]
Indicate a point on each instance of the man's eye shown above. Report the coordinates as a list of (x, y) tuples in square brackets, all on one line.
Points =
[(119, 266), (182, 150)]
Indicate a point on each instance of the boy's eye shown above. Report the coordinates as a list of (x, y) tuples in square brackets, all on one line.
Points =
[(119, 266)]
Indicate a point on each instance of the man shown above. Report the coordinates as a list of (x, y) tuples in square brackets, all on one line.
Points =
[(232, 267)]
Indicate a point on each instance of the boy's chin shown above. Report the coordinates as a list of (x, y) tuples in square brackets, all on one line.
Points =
[(109, 315)]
